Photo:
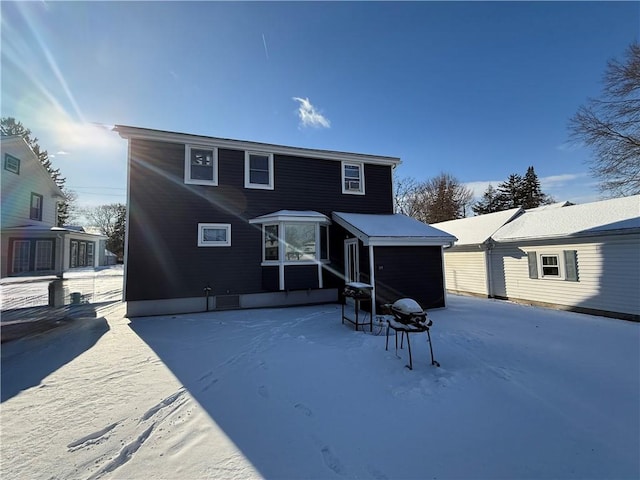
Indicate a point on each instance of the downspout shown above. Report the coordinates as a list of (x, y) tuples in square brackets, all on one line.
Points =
[(444, 275), (488, 266), (372, 279)]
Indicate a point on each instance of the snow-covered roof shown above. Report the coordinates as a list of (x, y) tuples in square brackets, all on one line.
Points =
[(33, 229), (292, 216), (391, 229), (550, 206), (575, 220), (478, 229)]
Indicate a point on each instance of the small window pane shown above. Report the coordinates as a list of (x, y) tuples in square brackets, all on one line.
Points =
[(259, 162), (214, 235), (259, 177), (300, 242), (90, 256), (82, 254), (550, 266), (352, 171), (44, 255), (73, 260), (271, 242), (21, 251)]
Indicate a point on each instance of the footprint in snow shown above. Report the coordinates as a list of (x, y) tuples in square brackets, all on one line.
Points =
[(263, 392), (377, 474), (210, 384), (92, 438), (332, 461), (304, 409)]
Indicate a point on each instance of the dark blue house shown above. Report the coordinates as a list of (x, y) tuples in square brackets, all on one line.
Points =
[(216, 223)]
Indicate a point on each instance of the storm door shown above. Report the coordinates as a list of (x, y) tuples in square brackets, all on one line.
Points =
[(351, 261)]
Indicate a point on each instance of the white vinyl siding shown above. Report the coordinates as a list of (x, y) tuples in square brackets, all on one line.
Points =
[(607, 269), (17, 189), (465, 272)]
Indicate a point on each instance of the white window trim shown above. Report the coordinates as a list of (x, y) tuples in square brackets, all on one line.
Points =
[(360, 166), (187, 165), (247, 176), (560, 259), (204, 243)]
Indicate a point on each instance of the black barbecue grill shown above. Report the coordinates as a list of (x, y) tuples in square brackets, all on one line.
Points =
[(408, 317)]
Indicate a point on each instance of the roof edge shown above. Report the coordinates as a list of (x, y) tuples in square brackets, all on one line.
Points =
[(128, 132)]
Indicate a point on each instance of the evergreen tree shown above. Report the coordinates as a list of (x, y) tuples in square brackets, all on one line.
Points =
[(510, 193), (488, 203), (8, 127), (532, 195)]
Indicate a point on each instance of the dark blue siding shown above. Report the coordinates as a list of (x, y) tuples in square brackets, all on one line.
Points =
[(409, 272), (301, 277), (164, 260)]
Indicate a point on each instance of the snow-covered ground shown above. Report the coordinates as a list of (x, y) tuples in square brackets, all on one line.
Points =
[(522, 392), (102, 284)]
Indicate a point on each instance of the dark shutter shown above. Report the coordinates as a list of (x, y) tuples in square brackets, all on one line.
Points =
[(533, 264), (571, 265)]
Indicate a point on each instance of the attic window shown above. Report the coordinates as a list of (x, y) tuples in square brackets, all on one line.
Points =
[(11, 164), (353, 178), (201, 165)]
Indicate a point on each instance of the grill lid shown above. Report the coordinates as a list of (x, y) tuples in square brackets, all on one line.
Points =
[(407, 306)]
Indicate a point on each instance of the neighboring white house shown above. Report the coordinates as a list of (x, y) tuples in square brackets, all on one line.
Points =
[(583, 258), (466, 262), (30, 241)]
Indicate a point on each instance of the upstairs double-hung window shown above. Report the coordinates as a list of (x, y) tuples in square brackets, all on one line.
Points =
[(353, 178), (35, 212), (201, 165), (258, 170)]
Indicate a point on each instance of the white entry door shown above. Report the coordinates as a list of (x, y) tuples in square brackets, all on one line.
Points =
[(351, 261)]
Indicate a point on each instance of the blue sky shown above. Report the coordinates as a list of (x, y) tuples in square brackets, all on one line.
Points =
[(479, 90)]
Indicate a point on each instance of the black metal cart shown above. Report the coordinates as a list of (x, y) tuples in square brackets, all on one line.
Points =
[(359, 292)]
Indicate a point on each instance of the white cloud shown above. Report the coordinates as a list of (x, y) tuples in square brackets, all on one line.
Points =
[(478, 188), (557, 181), (309, 116)]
